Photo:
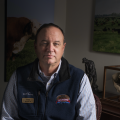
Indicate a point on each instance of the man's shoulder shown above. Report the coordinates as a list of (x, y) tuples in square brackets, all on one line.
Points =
[(75, 69), (29, 65), (25, 66)]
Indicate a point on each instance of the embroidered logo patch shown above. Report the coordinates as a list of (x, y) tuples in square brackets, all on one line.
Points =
[(63, 99)]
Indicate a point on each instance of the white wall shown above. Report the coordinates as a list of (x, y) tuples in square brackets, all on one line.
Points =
[(60, 12), (79, 37)]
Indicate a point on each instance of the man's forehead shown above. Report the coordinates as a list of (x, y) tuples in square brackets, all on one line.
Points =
[(51, 33), (51, 30)]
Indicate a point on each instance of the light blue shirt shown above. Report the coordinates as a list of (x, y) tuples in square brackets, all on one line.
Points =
[(49, 80), (85, 104)]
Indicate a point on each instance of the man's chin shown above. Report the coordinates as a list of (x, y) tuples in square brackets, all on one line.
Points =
[(50, 62), (47, 61)]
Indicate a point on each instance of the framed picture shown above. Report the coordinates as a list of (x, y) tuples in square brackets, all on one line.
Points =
[(23, 18), (107, 26)]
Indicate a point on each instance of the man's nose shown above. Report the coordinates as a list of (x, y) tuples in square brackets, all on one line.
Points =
[(50, 47)]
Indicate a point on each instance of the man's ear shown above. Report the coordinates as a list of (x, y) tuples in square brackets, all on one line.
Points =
[(64, 45)]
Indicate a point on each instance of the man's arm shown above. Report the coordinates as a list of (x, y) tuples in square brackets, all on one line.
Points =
[(86, 108), (9, 109)]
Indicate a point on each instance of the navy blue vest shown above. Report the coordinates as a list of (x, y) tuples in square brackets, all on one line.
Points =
[(34, 103)]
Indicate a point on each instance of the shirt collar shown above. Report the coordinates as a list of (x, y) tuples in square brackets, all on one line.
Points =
[(64, 72)]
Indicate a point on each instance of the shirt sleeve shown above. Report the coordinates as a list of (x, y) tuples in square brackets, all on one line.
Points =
[(86, 107), (9, 109)]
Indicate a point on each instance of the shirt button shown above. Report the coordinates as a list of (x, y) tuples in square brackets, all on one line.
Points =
[(48, 83)]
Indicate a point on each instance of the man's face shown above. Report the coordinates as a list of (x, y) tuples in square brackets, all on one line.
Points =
[(50, 46)]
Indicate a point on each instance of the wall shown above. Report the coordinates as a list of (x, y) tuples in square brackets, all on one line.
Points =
[(79, 38), (60, 12)]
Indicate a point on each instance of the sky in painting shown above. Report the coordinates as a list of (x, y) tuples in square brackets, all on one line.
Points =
[(107, 7), (41, 10)]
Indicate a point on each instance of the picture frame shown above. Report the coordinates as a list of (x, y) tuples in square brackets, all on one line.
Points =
[(106, 33), (22, 20)]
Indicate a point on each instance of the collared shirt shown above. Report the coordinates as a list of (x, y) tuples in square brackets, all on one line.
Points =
[(49, 80), (85, 104)]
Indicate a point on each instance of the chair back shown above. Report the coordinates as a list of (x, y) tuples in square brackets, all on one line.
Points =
[(98, 107)]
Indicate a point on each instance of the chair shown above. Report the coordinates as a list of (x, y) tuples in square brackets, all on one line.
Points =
[(98, 107)]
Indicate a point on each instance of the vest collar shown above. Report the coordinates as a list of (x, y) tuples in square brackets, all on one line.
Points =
[(64, 72)]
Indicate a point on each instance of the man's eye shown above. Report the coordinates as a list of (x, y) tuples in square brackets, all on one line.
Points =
[(56, 44), (44, 43)]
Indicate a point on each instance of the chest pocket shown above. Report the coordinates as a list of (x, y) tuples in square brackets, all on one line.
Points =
[(27, 101)]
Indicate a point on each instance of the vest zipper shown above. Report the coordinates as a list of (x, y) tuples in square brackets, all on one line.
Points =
[(38, 102), (45, 103), (45, 99)]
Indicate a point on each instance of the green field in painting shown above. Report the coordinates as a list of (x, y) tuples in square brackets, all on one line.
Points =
[(24, 57), (107, 35)]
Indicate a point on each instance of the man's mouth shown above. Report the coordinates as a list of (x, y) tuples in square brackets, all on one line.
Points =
[(49, 56)]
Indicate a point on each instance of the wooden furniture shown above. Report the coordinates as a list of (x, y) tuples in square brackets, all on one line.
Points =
[(110, 109), (110, 102)]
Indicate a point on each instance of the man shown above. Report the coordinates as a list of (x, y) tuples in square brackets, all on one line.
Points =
[(49, 88)]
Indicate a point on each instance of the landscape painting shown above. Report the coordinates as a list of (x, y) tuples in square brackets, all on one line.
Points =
[(23, 18), (107, 26)]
